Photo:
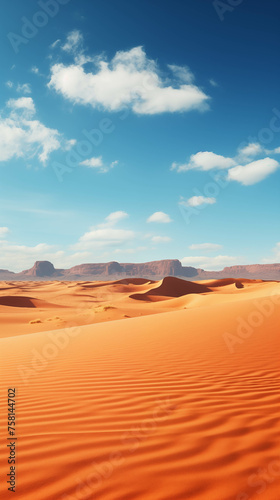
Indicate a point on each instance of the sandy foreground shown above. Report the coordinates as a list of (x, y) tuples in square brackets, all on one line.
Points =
[(137, 389)]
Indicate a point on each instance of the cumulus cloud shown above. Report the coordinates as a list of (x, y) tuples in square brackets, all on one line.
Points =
[(196, 201), (105, 234), (25, 103), (116, 217), (129, 80), (253, 172), (21, 135), (113, 218), (240, 168), (204, 160), (98, 164), (205, 246), (275, 151), (74, 46), (209, 263), (159, 217), (250, 150)]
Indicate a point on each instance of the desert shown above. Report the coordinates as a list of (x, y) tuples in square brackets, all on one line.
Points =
[(138, 388)]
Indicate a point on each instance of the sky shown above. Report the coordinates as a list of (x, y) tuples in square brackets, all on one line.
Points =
[(138, 131)]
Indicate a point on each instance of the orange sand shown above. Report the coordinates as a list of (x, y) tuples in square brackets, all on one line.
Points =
[(168, 391)]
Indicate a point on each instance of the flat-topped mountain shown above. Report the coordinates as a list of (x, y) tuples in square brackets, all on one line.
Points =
[(41, 268), (154, 270)]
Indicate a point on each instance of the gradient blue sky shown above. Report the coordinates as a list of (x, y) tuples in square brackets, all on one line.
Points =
[(188, 91)]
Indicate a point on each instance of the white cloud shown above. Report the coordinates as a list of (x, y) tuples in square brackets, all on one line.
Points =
[(250, 150), (130, 80), (23, 136), (3, 231), (240, 168), (183, 73), (209, 263), (160, 239), (253, 172), (205, 246), (97, 163), (196, 201), (74, 46), (159, 217), (93, 162), (9, 84), (97, 237), (275, 151), (115, 217), (22, 103), (204, 160), (24, 88), (35, 70), (74, 40), (69, 144), (105, 234), (157, 239)]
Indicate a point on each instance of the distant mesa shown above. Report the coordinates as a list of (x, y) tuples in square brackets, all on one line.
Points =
[(154, 270), (41, 268), (159, 268), (107, 269), (114, 268)]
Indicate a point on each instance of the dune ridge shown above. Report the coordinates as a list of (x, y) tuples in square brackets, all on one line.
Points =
[(63, 303)]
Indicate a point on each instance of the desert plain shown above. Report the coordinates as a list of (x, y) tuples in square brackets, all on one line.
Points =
[(137, 389)]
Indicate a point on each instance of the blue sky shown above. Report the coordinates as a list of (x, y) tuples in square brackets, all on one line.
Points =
[(137, 131)]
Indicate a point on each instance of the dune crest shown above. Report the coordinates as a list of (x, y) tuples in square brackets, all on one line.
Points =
[(171, 287)]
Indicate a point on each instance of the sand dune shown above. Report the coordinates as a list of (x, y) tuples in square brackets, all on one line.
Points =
[(179, 403), (21, 301), (171, 287)]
